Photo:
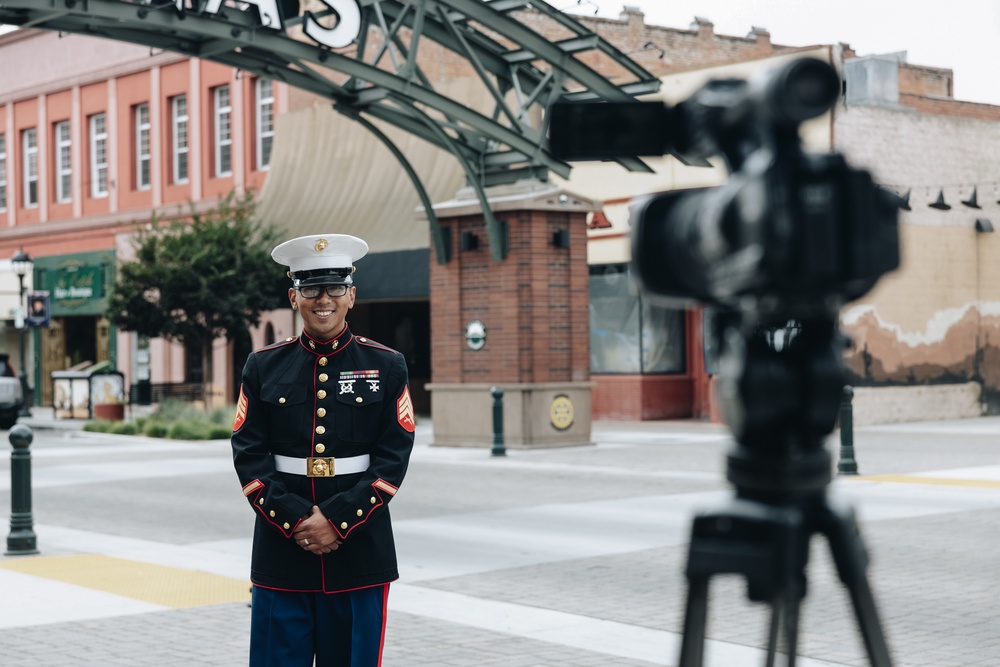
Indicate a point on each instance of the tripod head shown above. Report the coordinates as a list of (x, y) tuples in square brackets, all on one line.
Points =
[(780, 386)]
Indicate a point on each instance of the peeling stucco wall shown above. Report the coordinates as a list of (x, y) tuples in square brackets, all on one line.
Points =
[(936, 320)]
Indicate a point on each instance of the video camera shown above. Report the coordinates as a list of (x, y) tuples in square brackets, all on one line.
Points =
[(794, 230), (781, 245)]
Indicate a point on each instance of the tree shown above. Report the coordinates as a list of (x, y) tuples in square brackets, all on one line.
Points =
[(199, 279)]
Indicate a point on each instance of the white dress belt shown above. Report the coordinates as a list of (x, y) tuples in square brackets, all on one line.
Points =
[(341, 466)]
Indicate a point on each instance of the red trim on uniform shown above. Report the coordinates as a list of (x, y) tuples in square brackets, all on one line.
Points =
[(385, 615), (364, 340), (252, 486), (325, 592), (327, 343), (383, 485)]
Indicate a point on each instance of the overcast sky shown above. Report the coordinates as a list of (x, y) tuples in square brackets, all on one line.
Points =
[(962, 35)]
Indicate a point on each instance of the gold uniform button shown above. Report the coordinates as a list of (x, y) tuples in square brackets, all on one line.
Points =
[(287, 525), (261, 501), (363, 339), (360, 513), (323, 361), (321, 430), (343, 526), (281, 400), (323, 377), (321, 412), (321, 393), (320, 448), (373, 500), (271, 513), (358, 399)]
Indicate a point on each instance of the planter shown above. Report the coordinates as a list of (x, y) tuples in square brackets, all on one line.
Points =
[(109, 411)]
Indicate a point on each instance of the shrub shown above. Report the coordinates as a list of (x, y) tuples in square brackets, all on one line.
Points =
[(189, 430), (124, 428), (154, 429), (98, 426), (220, 433)]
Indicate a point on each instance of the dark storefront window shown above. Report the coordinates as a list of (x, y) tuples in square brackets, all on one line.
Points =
[(627, 333)]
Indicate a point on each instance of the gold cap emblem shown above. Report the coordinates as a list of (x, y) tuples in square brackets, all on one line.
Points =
[(321, 245)]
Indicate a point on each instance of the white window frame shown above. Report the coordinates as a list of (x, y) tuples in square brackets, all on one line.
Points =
[(222, 102), (143, 158), (179, 140), (98, 155), (63, 145), (3, 172), (264, 122), (29, 144)]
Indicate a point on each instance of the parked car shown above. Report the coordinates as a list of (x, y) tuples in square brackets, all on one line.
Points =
[(11, 396)]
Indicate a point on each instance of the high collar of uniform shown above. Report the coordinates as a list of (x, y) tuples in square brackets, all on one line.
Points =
[(342, 340)]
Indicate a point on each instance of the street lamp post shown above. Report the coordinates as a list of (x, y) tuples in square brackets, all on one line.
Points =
[(22, 265)]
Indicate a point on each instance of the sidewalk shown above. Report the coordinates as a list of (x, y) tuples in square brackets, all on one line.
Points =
[(558, 557)]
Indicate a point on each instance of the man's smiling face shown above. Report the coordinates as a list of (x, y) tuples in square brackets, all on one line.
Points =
[(324, 316)]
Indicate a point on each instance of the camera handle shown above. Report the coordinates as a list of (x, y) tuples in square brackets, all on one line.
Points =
[(779, 404)]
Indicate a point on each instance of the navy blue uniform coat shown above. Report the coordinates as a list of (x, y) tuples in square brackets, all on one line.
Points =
[(341, 398)]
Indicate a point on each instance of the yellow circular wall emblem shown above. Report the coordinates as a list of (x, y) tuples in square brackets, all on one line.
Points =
[(561, 412)]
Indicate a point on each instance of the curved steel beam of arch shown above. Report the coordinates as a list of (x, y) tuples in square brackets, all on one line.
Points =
[(441, 250), (497, 249), (119, 20)]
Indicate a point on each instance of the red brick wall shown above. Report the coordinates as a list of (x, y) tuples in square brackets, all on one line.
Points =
[(920, 80), (641, 397), (533, 303), (950, 107)]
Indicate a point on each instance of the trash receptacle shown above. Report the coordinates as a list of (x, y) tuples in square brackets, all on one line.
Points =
[(142, 393)]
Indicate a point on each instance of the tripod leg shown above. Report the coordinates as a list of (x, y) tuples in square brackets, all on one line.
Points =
[(851, 559), (695, 615), (871, 631), (792, 627), (783, 631), (777, 614)]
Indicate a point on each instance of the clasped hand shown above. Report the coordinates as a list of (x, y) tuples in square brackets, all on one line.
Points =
[(315, 534)]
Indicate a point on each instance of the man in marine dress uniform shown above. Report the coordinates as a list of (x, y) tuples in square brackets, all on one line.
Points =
[(321, 440)]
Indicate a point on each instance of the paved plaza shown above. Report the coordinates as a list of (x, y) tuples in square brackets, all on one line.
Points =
[(544, 558)]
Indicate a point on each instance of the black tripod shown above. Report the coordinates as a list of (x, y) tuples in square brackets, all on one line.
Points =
[(781, 400)]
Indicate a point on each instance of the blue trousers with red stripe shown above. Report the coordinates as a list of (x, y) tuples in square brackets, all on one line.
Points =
[(289, 629)]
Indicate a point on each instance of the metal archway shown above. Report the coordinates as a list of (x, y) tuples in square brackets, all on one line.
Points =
[(362, 55)]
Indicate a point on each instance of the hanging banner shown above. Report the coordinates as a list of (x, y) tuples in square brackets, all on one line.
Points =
[(38, 310)]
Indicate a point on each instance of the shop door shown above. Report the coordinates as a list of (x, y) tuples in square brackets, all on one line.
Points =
[(53, 356)]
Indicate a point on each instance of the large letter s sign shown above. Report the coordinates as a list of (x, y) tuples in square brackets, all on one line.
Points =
[(348, 26)]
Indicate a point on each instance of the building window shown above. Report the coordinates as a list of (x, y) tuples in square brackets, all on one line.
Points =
[(223, 132), (627, 333), (98, 156), (3, 172), (179, 138), (64, 164), (140, 116), (265, 122), (29, 142)]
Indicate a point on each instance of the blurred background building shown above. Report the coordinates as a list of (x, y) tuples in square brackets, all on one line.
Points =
[(98, 136)]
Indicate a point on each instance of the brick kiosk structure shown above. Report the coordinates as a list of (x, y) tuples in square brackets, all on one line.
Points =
[(533, 305)]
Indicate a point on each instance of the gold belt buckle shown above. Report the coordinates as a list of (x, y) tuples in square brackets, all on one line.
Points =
[(319, 466)]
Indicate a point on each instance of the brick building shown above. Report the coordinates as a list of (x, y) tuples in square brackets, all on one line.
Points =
[(89, 98)]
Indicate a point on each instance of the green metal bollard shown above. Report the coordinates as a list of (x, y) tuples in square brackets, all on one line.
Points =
[(847, 465), (21, 541), (498, 446)]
